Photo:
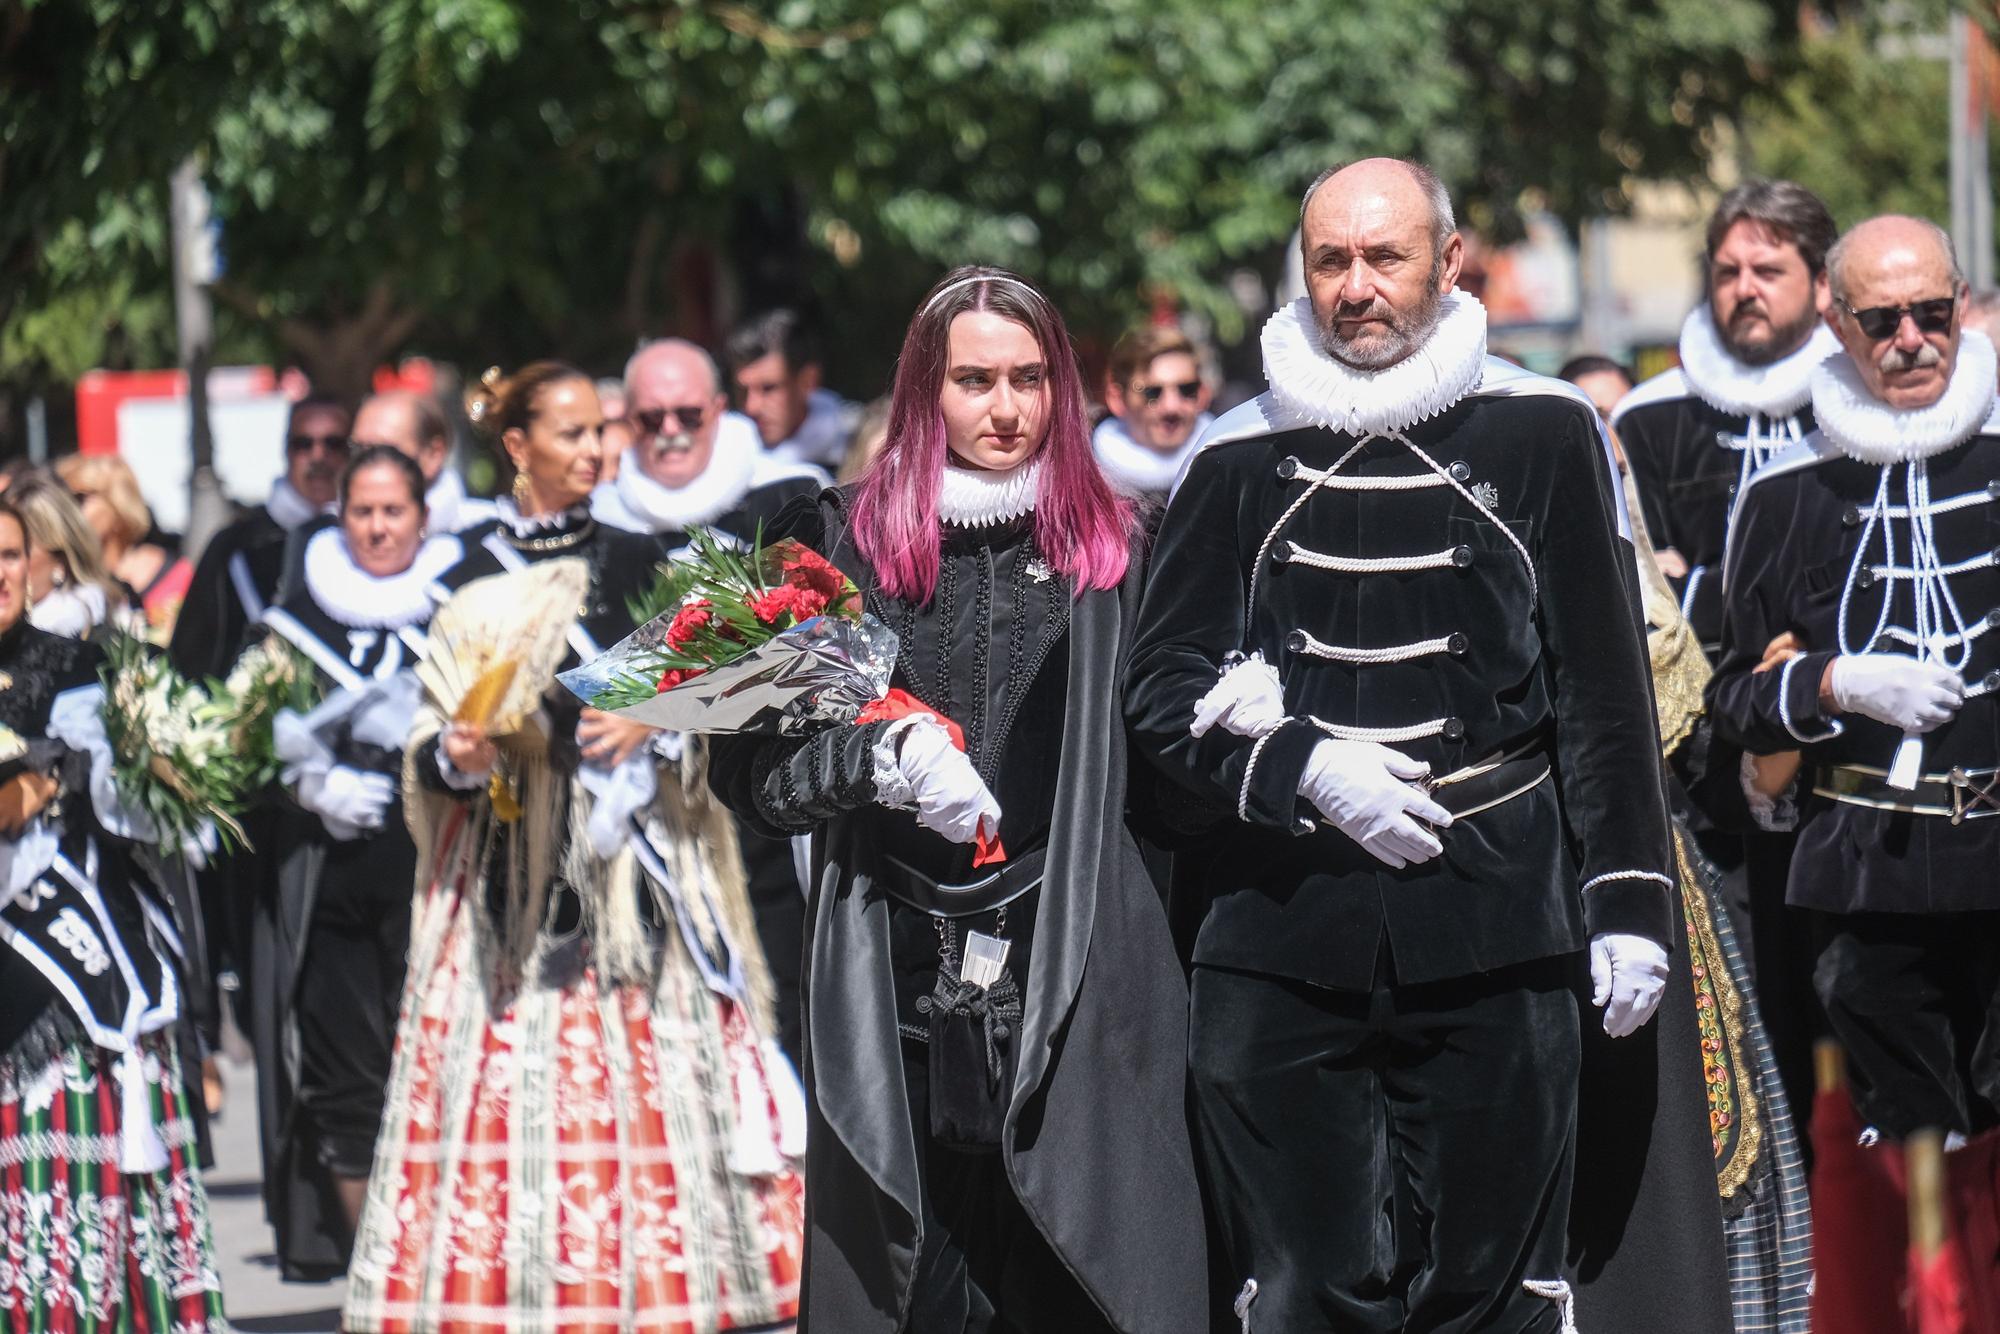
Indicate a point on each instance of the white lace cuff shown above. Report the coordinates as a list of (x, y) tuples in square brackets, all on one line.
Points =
[(1778, 812), (892, 787)]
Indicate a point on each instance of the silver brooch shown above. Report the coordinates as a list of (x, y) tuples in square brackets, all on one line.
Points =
[(1039, 571), (1487, 494)]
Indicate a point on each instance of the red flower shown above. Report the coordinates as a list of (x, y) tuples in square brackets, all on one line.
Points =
[(674, 676), (807, 569), (807, 603), (687, 621), (771, 606)]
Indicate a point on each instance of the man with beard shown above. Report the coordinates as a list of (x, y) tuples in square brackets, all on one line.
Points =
[(1159, 407), (414, 424), (1695, 435), (1871, 547), (695, 464), (1391, 626)]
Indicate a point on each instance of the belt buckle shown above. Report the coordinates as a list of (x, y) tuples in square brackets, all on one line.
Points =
[(1965, 797)]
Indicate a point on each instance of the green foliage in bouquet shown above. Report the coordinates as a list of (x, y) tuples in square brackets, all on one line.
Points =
[(172, 752), (268, 677), (720, 602)]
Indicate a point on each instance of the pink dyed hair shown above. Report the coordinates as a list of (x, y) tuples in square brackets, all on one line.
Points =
[(1082, 527)]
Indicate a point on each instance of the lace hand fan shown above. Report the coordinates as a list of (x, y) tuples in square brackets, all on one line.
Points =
[(495, 646)]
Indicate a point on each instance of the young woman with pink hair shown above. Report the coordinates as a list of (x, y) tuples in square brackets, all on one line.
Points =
[(995, 1049)]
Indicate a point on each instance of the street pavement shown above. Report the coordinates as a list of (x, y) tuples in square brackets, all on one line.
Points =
[(253, 1295)]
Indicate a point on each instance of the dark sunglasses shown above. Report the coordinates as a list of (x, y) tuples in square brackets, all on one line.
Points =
[(1187, 389), (333, 444), (1932, 316), (653, 420)]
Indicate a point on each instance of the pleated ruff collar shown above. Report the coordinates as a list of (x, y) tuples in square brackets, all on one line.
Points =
[(287, 508), (1741, 390), (357, 598), (1863, 427), (1313, 385), (541, 525), (973, 498), (1136, 469), (731, 471)]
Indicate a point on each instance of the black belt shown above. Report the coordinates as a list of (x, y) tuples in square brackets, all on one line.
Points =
[(997, 888), (1481, 787), (1960, 795)]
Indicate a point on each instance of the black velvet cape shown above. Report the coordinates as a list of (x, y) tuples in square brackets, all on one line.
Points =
[(1095, 1142)]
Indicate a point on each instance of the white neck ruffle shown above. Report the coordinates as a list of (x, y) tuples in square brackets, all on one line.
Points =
[(1863, 427), (731, 471), (357, 598), (1133, 468), (1739, 389), (530, 525), (974, 498), (1312, 385), (287, 508)]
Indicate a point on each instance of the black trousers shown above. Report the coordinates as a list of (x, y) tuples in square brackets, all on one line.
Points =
[(1915, 1000), (1390, 1160), (350, 988)]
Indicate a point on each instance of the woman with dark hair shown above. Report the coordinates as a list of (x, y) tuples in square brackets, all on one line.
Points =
[(587, 1121), (995, 1055), (328, 949), (103, 1220)]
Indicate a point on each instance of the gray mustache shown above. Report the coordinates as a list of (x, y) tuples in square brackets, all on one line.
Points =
[(1896, 359)]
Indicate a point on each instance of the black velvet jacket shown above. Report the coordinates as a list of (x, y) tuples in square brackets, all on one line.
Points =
[(1095, 1140), (1502, 653), (1687, 458), (247, 557), (1795, 541)]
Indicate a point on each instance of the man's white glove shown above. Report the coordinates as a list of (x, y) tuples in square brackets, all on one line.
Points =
[(1369, 793), (948, 794), (1248, 700), (1628, 975), (351, 801), (1909, 695)]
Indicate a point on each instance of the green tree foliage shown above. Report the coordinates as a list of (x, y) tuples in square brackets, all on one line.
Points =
[(490, 179)]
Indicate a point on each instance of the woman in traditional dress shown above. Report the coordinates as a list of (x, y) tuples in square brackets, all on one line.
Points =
[(103, 1221), (587, 1123), (995, 1054), (329, 950)]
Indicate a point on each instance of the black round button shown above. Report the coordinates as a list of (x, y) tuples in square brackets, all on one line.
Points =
[(1461, 471), (1993, 619), (1732, 488), (1882, 644), (1461, 556), (1281, 555), (1866, 579), (1288, 468), (1993, 489), (1295, 642), (1851, 517), (1991, 681), (1454, 730), (1457, 644)]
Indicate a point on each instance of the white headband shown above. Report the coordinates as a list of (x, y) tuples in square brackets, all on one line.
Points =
[(949, 288)]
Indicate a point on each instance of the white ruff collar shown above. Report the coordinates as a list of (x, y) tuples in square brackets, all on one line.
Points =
[(1315, 387), (1728, 385), (1133, 468), (731, 471), (1863, 427), (287, 508), (972, 498), (357, 598)]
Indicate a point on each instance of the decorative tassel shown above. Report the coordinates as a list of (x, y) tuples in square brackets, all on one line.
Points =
[(1556, 1290), (140, 1149), (1244, 1300)]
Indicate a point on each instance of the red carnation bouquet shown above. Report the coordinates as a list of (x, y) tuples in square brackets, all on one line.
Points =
[(773, 639)]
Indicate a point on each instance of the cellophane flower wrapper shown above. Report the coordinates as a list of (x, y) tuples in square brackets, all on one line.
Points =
[(819, 673)]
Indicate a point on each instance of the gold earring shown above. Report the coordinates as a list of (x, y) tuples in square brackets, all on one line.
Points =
[(520, 489)]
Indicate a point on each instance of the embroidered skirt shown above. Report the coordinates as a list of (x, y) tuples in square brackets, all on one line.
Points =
[(88, 1247), (573, 1156)]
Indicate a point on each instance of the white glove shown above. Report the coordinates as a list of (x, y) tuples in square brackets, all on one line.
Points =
[(1909, 695), (350, 801), (1368, 792), (1630, 972), (1247, 700), (948, 794)]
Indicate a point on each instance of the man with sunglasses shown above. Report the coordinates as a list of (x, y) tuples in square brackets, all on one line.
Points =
[(1159, 408), (1874, 547), (693, 463)]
